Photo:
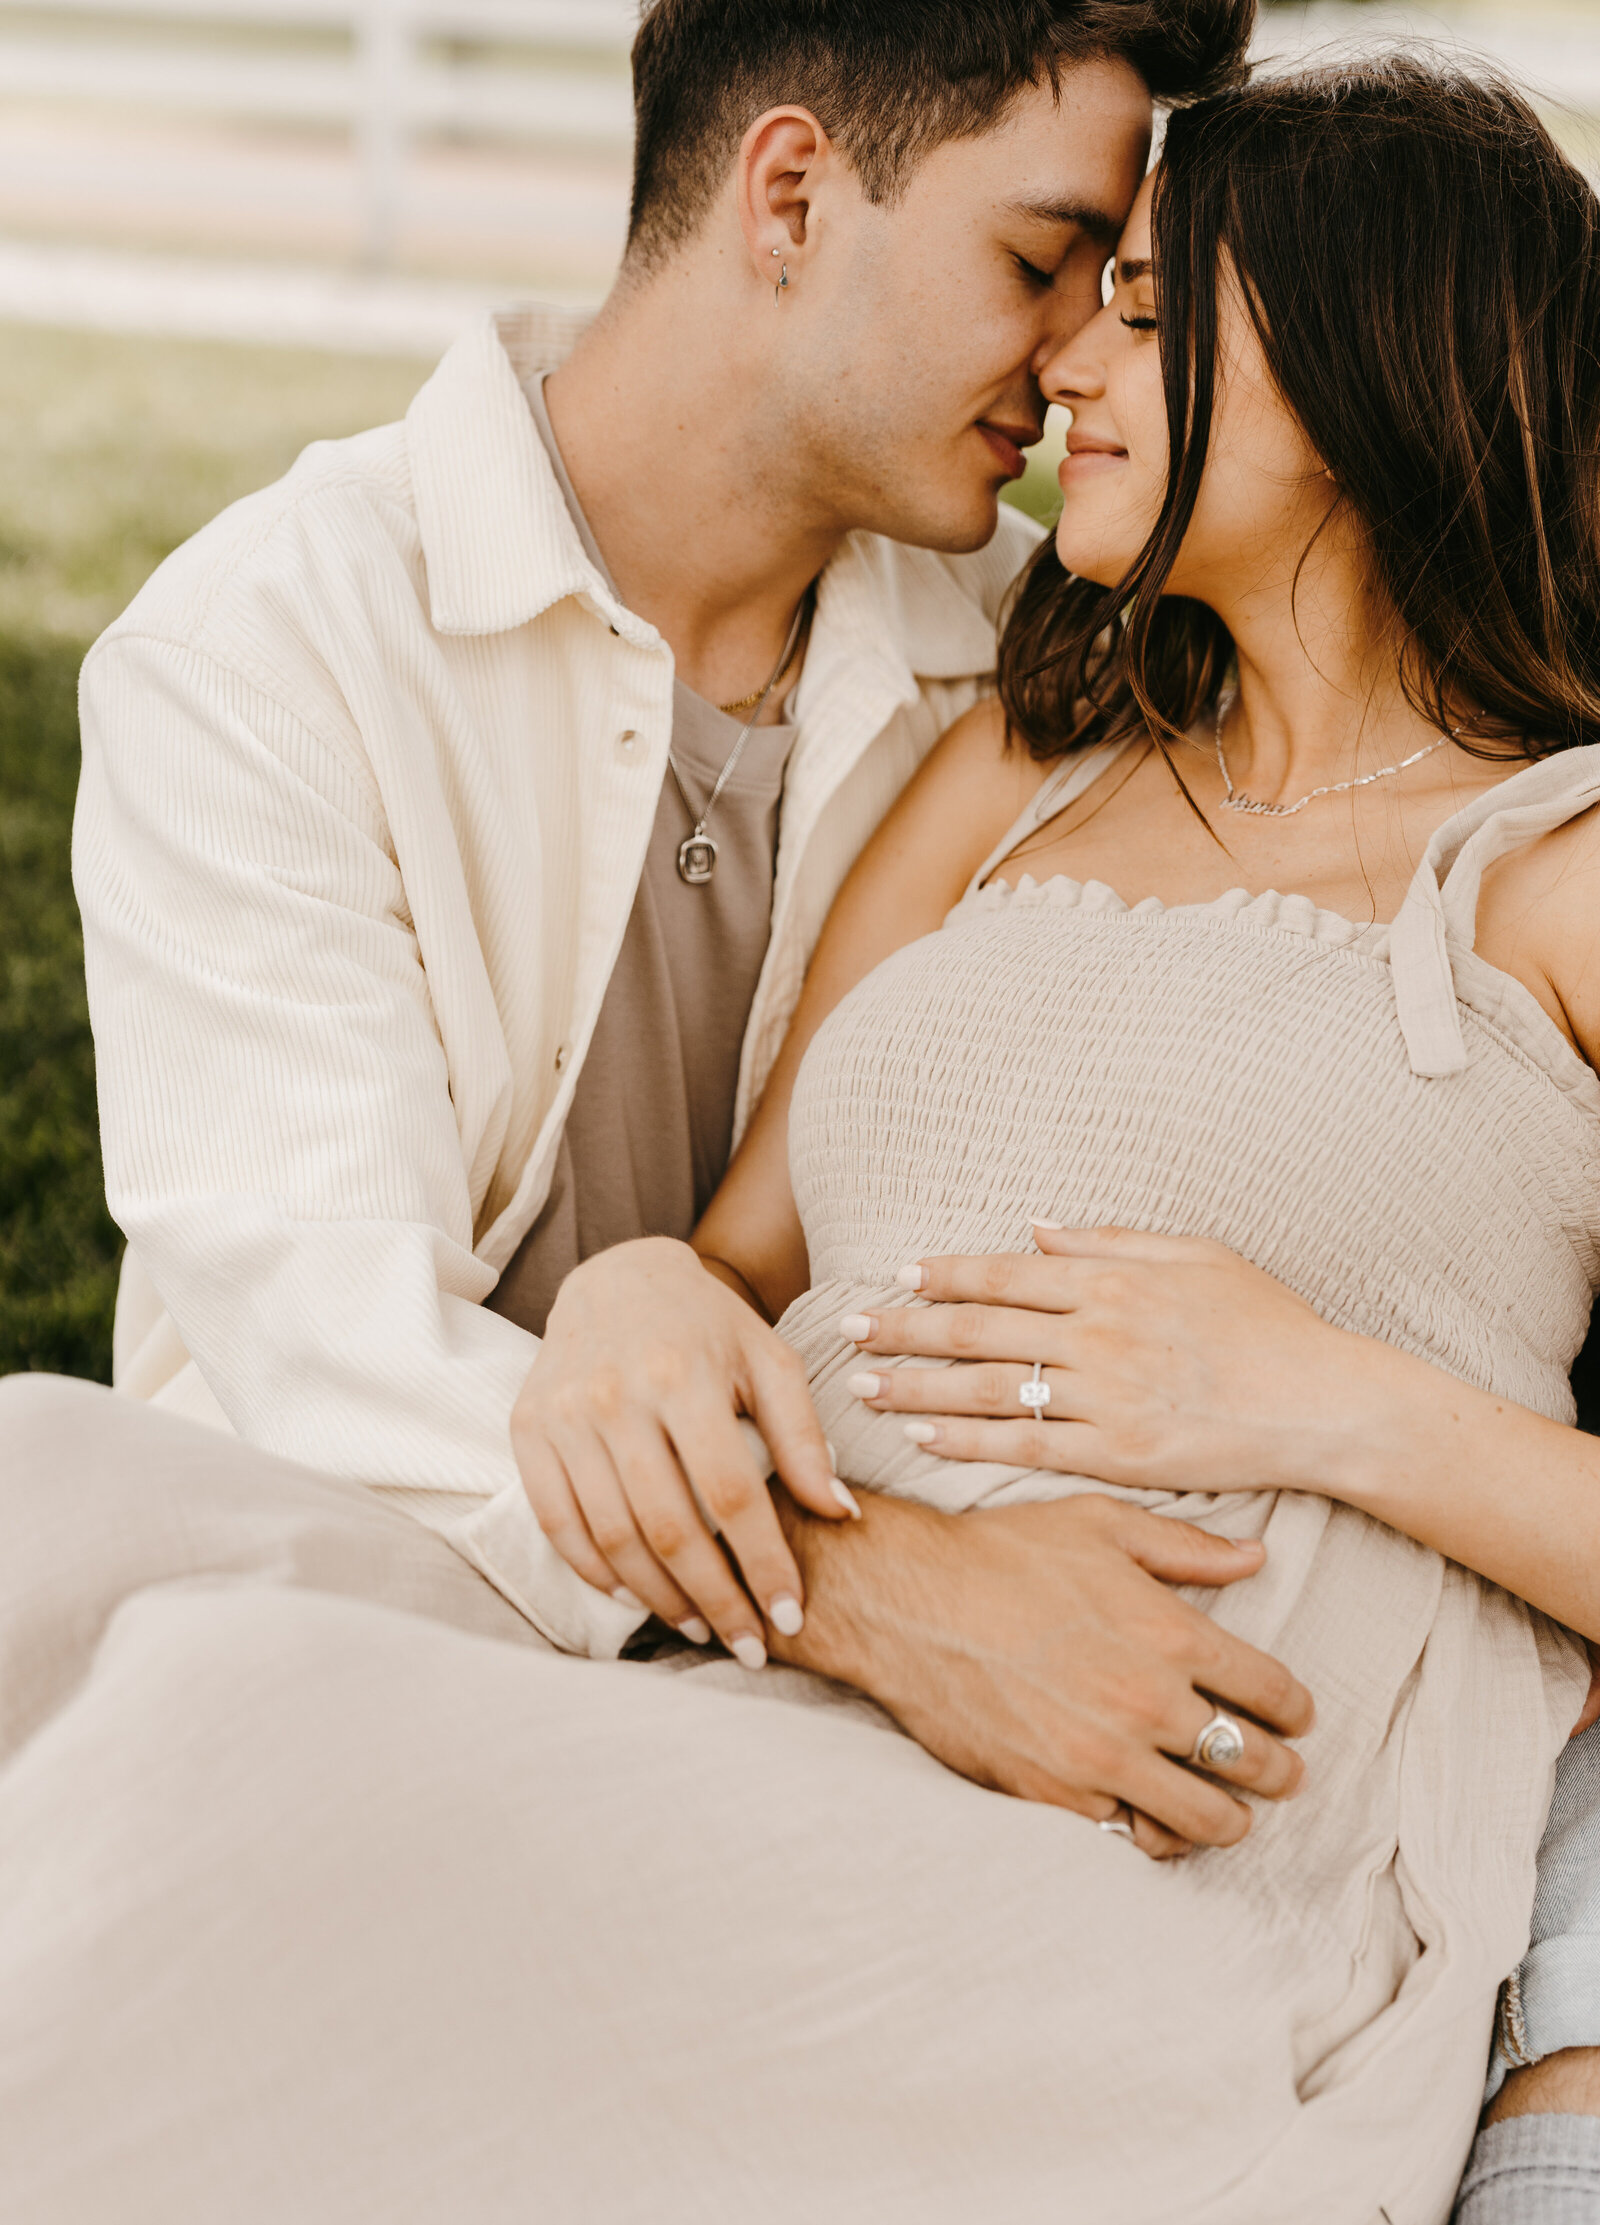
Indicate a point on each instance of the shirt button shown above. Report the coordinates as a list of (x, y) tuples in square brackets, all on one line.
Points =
[(628, 743), (563, 1058)]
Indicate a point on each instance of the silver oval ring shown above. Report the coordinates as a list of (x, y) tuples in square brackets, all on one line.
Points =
[(1120, 1824), (1219, 1745), (1036, 1394)]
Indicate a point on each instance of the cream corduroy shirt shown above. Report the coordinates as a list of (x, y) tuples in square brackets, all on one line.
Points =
[(370, 769)]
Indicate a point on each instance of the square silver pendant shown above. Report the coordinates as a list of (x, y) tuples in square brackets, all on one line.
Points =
[(697, 859)]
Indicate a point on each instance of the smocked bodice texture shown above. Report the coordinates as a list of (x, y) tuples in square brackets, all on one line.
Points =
[(1236, 1070)]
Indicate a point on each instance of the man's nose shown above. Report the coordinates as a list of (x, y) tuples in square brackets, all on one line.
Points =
[(1072, 372), (1074, 313)]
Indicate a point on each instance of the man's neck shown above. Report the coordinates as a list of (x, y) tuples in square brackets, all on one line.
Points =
[(687, 487)]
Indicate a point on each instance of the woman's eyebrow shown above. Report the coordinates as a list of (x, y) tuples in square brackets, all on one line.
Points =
[(1128, 272)]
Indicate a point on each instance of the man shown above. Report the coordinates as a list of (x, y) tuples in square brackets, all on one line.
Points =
[(444, 907)]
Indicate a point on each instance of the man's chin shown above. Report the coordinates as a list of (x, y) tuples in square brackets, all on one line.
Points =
[(956, 528)]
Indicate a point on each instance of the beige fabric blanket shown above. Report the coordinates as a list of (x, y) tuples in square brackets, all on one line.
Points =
[(328, 1892)]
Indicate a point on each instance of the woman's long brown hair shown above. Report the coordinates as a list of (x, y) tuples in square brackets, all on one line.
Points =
[(1422, 265)]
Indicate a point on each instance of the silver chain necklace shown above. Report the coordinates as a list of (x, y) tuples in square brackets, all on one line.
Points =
[(1233, 801), (697, 852)]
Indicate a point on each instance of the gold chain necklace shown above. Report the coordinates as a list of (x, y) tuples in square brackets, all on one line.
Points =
[(749, 702)]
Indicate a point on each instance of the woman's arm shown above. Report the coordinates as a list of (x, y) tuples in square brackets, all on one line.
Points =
[(956, 808)]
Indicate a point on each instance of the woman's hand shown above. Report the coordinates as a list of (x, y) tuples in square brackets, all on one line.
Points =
[(1170, 1362), (627, 1436)]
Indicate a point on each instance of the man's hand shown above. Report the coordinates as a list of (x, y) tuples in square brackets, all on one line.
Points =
[(627, 1436), (1041, 1651)]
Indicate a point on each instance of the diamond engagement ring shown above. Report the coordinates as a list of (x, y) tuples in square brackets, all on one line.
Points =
[(1220, 1744), (1037, 1393)]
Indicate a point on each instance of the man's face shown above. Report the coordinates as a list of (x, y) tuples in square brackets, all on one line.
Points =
[(911, 382)]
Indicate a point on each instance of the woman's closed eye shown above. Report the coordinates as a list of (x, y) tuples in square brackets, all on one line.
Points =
[(1139, 324)]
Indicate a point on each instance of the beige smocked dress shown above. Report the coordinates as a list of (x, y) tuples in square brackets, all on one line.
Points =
[(1295, 2028), (328, 1891)]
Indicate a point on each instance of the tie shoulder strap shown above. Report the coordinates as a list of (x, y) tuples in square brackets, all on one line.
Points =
[(1440, 912)]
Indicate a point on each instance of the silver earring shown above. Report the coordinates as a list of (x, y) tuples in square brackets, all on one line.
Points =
[(782, 287)]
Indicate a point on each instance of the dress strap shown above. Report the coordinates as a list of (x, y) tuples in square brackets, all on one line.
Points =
[(1065, 785), (1441, 905)]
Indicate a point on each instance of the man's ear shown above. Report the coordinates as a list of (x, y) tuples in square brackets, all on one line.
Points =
[(782, 162)]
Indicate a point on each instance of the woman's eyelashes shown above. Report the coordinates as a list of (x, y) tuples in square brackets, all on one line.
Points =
[(1140, 324)]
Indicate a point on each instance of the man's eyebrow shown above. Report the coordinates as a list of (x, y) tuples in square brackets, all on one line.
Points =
[(1097, 222), (1128, 272)]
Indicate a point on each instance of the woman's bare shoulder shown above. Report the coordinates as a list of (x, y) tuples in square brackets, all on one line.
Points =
[(1539, 918), (978, 767)]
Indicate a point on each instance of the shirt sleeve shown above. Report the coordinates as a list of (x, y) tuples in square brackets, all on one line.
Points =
[(281, 1145)]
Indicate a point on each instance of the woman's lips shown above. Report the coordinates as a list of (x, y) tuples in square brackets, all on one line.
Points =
[(1085, 463), (1008, 450)]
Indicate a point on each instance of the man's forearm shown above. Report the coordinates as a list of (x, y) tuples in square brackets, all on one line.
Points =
[(869, 1587)]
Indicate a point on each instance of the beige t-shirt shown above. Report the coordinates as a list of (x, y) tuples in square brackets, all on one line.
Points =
[(651, 1127)]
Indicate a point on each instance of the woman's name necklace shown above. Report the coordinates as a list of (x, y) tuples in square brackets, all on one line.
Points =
[(1233, 800), (697, 852)]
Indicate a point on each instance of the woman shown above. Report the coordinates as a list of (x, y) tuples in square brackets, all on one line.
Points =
[(1274, 882)]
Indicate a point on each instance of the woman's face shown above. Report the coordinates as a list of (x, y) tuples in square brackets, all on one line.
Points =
[(1264, 492)]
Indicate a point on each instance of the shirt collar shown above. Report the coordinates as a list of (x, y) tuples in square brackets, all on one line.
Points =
[(497, 535), (501, 545)]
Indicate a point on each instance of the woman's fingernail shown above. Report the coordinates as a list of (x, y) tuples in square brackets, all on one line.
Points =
[(787, 1615), (857, 1327), (847, 1499), (625, 1598), (865, 1386), (833, 1457), (697, 1632), (1040, 1222), (749, 1652), (921, 1433), (911, 1278)]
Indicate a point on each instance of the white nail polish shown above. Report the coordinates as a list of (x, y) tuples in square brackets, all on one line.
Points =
[(625, 1598), (697, 1632), (847, 1499), (921, 1433), (857, 1327), (1040, 1222), (786, 1614), (911, 1278), (749, 1652), (864, 1386)]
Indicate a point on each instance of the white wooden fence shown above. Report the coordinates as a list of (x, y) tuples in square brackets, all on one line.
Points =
[(545, 70), (386, 70)]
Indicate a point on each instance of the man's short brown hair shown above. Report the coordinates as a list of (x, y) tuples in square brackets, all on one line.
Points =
[(888, 80)]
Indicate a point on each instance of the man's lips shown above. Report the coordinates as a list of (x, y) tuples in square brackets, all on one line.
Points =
[(1008, 442)]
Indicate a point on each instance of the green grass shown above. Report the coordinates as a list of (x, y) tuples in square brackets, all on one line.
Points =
[(112, 451), (115, 449), (58, 1249)]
